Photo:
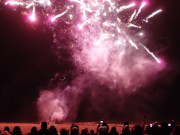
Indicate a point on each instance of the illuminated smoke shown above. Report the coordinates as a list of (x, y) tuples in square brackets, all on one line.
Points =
[(104, 49), (55, 106)]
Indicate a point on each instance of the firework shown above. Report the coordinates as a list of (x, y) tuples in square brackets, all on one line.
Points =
[(32, 17), (140, 9), (58, 16), (107, 38), (93, 12), (152, 54), (152, 15), (132, 16), (14, 3)]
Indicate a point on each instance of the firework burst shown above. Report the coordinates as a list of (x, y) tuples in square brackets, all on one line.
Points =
[(106, 41), (88, 13)]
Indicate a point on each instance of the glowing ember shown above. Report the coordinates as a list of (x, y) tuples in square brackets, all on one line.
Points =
[(32, 17)]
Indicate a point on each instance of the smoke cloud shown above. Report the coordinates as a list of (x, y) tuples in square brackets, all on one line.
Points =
[(109, 74), (109, 70)]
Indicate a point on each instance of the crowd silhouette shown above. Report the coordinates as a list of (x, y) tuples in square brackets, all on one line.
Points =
[(156, 128)]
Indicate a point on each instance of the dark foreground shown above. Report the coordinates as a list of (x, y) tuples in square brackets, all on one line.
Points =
[(90, 128)]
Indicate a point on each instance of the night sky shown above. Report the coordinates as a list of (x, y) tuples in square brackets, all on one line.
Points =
[(28, 62)]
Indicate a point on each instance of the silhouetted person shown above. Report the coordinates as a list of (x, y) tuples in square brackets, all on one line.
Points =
[(173, 125), (6, 131), (53, 130), (84, 131), (106, 125), (148, 130), (75, 130), (126, 123), (164, 130), (126, 130), (175, 131), (113, 131), (17, 131), (43, 130), (137, 130), (72, 126), (64, 132), (33, 131), (155, 129), (92, 132), (103, 130)]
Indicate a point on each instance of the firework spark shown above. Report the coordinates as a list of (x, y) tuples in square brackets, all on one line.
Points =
[(140, 9), (132, 16), (152, 54), (122, 8), (133, 44), (14, 3), (152, 15), (32, 17), (58, 16)]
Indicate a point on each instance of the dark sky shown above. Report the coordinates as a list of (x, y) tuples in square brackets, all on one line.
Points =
[(27, 63)]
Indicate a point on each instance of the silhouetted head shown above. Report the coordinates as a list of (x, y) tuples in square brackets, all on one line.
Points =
[(176, 131), (103, 130), (137, 130), (6, 128), (84, 131), (64, 132), (53, 130), (113, 129), (173, 123), (92, 132), (75, 131), (148, 130), (126, 123), (33, 130), (17, 131), (44, 125), (126, 130), (72, 126), (164, 125), (105, 125)]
